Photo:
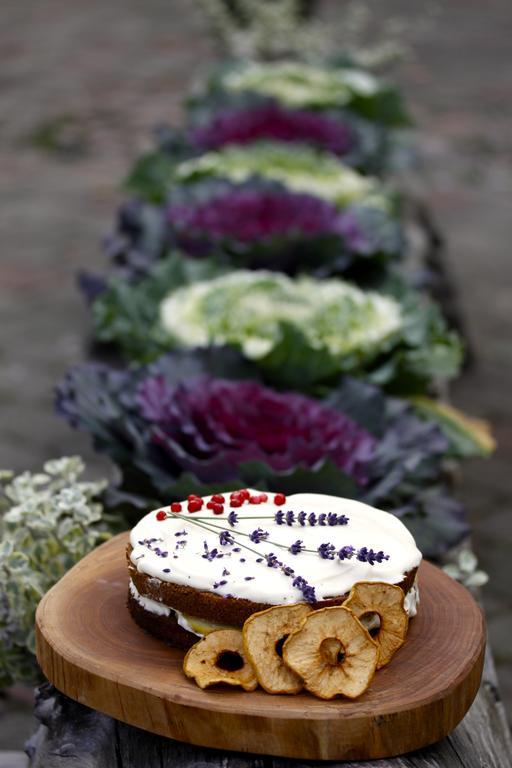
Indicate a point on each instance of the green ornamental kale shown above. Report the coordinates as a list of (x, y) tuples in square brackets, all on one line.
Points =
[(302, 333), (300, 85), (48, 521), (301, 168)]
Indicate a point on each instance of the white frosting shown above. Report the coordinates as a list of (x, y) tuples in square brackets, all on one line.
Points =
[(182, 541)]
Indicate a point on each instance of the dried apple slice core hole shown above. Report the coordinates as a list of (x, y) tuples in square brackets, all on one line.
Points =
[(279, 645), (372, 622), (229, 661), (332, 651)]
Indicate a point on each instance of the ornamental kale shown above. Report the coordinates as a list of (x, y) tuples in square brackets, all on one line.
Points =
[(303, 169), (256, 224), (307, 86), (48, 522), (274, 122), (250, 212), (175, 428), (226, 423), (297, 330)]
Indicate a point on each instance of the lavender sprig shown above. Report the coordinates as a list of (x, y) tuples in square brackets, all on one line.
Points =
[(327, 551)]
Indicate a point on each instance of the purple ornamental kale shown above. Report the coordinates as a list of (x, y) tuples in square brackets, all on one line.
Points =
[(274, 122), (254, 213), (210, 426)]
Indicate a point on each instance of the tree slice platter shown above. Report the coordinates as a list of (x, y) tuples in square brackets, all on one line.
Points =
[(90, 649)]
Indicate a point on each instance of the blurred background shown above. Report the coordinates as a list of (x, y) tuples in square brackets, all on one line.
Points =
[(82, 86)]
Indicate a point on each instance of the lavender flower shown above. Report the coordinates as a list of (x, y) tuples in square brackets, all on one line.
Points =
[(326, 551), (312, 518), (346, 553), (301, 518), (218, 584), (272, 561), (279, 517), (371, 557), (210, 554), (334, 519), (258, 535), (226, 538), (296, 547), (307, 590), (290, 517), (232, 519)]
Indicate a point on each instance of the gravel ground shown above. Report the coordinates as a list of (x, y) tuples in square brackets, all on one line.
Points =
[(82, 85)]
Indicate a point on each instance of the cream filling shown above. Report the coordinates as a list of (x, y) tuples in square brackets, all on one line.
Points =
[(412, 599), (201, 627)]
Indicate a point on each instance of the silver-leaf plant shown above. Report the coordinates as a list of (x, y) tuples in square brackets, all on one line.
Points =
[(272, 29), (48, 521)]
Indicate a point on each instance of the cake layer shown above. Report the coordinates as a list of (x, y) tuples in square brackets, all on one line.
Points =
[(226, 611), (183, 630), (163, 627)]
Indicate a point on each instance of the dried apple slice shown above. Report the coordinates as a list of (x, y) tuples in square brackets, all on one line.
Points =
[(370, 598), (219, 658), (264, 634), (333, 653)]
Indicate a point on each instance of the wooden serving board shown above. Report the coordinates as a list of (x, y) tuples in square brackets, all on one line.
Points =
[(91, 650)]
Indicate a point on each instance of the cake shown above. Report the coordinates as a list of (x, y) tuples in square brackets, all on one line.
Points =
[(210, 563)]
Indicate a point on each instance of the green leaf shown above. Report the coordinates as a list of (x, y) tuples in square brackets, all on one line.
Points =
[(150, 177), (467, 437)]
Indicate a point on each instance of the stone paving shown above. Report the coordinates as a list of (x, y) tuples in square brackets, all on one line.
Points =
[(82, 85)]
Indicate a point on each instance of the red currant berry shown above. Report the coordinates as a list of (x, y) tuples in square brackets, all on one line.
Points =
[(279, 499), (263, 498), (161, 515), (193, 497), (175, 506), (194, 505), (236, 502), (218, 509), (219, 498), (254, 500), (210, 505), (244, 494)]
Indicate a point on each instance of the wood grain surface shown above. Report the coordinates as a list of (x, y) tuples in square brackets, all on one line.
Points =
[(90, 649)]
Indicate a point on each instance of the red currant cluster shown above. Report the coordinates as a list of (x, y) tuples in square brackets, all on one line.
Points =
[(216, 504)]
